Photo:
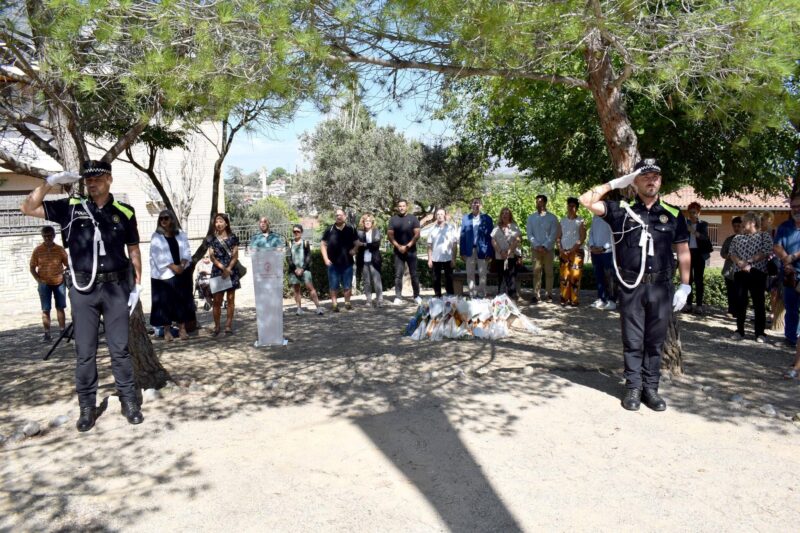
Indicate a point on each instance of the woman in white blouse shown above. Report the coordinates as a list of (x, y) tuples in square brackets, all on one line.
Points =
[(750, 251), (505, 241), (170, 289)]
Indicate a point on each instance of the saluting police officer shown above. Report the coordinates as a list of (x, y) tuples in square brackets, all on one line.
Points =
[(96, 230), (644, 234)]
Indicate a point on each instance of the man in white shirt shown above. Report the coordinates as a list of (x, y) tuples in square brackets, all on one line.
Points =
[(442, 253), (542, 228)]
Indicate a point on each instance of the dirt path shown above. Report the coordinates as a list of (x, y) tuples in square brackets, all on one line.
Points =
[(353, 427)]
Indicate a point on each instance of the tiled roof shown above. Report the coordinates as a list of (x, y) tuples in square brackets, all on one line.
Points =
[(686, 195)]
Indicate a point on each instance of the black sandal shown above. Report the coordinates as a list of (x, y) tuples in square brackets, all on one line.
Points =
[(215, 333)]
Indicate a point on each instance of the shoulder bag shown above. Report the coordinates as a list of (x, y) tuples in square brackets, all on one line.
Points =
[(241, 270)]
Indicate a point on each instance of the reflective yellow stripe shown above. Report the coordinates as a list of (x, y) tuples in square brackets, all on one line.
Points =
[(672, 210), (125, 211)]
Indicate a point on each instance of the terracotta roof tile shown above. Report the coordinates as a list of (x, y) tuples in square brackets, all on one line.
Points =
[(686, 195)]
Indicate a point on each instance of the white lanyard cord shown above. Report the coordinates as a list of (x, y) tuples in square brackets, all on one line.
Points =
[(97, 242), (645, 243)]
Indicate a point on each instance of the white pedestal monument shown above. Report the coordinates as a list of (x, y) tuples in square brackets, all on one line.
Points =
[(267, 272)]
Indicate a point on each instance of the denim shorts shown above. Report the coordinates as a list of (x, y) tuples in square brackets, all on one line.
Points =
[(59, 292), (340, 275)]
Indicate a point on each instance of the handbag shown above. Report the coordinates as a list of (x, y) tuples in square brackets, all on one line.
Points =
[(219, 284), (240, 269)]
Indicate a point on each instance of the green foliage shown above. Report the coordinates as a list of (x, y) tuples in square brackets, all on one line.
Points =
[(275, 209), (554, 134), (362, 167)]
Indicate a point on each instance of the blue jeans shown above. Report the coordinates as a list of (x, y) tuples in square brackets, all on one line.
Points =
[(604, 274), (59, 293), (340, 275)]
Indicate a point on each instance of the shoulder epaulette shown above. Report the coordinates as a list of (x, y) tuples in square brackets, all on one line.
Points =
[(674, 211), (124, 208)]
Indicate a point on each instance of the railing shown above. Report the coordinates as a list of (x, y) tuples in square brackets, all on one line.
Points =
[(713, 231)]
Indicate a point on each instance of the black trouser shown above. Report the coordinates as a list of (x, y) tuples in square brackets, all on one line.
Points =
[(508, 275), (109, 299), (696, 276), (438, 266), (645, 314), (409, 258), (752, 282)]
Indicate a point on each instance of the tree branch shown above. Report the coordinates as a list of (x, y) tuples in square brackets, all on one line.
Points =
[(459, 71), (127, 139), (10, 162), (32, 136)]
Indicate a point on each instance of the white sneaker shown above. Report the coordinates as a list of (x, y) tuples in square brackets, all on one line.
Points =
[(610, 306), (299, 311), (761, 339), (598, 304), (418, 300), (320, 311), (398, 301), (736, 336)]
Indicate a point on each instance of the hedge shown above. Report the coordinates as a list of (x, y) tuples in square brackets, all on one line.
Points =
[(715, 294)]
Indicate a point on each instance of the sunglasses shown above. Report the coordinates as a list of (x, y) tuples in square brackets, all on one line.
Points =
[(296, 231), (162, 218)]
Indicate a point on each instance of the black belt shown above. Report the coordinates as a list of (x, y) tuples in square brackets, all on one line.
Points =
[(648, 277), (101, 277)]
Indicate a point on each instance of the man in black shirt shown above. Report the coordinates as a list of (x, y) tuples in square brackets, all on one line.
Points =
[(338, 247), (403, 234), (644, 234), (97, 230)]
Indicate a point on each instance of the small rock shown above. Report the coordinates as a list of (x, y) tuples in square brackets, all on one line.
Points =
[(461, 375), (195, 387), (737, 398), (151, 395), (707, 389), (272, 385), (768, 410), (59, 421), (796, 417), (2, 439), (527, 371), (483, 371), (434, 374), (31, 428), (210, 389)]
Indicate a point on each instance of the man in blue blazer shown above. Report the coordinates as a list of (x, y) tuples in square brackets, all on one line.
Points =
[(475, 244)]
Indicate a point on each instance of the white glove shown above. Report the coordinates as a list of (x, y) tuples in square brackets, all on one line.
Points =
[(133, 299), (624, 181), (679, 300), (63, 178)]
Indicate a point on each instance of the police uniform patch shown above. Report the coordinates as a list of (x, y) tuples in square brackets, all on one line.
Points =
[(115, 219), (663, 219)]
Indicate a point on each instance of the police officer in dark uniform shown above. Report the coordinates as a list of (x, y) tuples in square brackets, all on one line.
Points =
[(97, 229), (644, 233)]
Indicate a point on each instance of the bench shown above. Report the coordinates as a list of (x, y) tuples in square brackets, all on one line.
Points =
[(460, 280)]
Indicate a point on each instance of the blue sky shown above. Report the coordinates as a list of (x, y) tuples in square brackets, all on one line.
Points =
[(281, 147)]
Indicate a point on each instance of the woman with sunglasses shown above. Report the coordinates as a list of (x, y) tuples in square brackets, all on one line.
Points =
[(169, 257), (224, 254), (300, 269)]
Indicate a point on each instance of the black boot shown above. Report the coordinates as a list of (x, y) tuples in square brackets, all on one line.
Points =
[(653, 400), (86, 418), (132, 412), (632, 399)]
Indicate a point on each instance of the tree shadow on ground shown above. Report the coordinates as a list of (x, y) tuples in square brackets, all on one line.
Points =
[(359, 366)]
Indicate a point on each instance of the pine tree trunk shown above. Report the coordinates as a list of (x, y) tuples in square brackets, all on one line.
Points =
[(147, 368)]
